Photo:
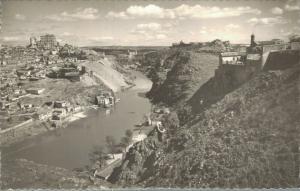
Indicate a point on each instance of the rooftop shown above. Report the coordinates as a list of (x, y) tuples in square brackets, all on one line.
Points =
[(225, 54)]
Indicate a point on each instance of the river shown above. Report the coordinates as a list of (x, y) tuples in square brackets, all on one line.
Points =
[(70, 147)]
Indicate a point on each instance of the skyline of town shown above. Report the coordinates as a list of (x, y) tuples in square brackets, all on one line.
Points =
[(161, 23)]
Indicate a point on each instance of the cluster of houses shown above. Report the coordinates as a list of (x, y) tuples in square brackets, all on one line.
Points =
[(256, 53), (61, 109), (10, 98), (20, 66)]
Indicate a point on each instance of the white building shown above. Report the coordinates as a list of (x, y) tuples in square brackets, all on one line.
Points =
[(232, 58)]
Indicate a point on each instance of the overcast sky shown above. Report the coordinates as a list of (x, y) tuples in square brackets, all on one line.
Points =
[(159, 22)]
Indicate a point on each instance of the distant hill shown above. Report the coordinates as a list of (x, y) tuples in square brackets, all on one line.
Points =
[(125, 47)]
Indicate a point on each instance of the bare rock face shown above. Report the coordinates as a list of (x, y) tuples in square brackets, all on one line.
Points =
[(138, 162)]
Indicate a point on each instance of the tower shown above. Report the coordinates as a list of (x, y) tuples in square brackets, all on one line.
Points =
[(252, 42), (32, 42)]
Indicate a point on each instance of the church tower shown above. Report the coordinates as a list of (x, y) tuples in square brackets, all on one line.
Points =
[(252, 42)]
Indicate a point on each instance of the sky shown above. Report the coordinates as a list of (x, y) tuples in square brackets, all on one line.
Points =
[(147, 22)]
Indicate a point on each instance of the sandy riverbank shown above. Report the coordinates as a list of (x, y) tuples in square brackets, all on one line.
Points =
[(76, 116), (141, 83)]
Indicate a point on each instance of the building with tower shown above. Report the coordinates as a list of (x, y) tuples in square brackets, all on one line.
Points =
[(47, 41)]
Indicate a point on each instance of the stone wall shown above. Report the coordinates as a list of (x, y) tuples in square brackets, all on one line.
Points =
[(236, 74), (282, 59), (267, 49)]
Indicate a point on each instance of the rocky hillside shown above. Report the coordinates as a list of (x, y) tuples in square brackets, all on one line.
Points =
[(185, 72), (249, 138)]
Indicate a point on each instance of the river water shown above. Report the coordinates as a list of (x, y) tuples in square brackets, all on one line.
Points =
[(70, 147)]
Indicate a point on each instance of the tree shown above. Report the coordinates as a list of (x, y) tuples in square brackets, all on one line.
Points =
[(98, 156), (129, 133), (125, 141), (294, 38), (111, 145), (171, 121)]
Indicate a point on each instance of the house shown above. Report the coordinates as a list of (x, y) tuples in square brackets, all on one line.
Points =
[(4, 105), (14, 98), (26, 106), (72, 75), (132, 54), (22, 78), (166, 111), (105, 99), (271, 42), (60, 104), (232, 58), (19, 92), (62, 112), (24, 72), (77, 108), (102, 101), (44, 116), (295, 45), (36, 91), (58, 114)]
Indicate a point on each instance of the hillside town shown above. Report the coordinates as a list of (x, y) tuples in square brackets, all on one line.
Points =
[(33, 79)]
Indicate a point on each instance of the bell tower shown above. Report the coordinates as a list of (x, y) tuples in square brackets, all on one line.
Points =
[(252, 42)]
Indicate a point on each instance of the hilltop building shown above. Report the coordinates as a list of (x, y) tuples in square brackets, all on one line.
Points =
[(238, 67), (256, 54), (48, 41)]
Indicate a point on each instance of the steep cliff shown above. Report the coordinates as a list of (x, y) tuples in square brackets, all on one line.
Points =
[(186, 72), (248, 138)]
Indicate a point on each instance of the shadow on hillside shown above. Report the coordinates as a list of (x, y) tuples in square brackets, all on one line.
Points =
[(210, 93)]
